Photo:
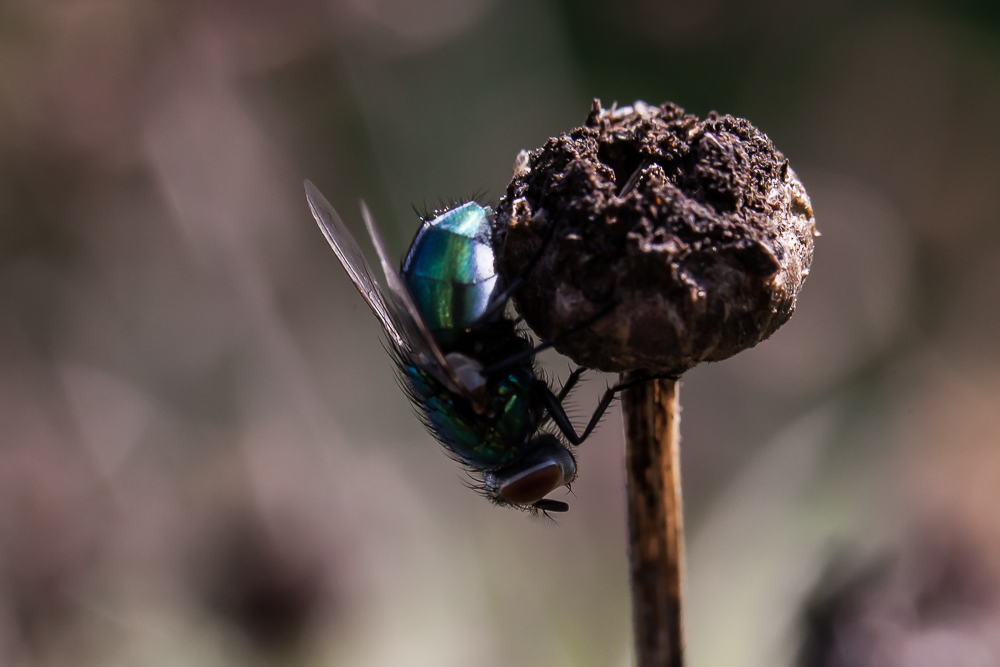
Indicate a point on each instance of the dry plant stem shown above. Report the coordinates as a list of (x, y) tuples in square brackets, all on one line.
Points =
[(655, 521)]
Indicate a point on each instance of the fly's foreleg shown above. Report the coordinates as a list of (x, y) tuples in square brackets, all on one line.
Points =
[(554, 406)]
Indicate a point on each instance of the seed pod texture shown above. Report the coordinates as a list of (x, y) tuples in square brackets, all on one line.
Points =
[(698, 230)]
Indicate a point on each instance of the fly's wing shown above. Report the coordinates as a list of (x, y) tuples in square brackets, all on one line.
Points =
[(418, 337), (354, 262)]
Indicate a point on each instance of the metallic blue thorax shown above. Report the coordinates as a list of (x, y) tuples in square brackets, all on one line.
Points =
[(449, 270)]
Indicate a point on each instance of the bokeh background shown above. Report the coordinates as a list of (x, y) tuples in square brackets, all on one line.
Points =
[(205, 460)]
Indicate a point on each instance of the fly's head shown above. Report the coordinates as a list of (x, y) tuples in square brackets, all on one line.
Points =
[(547, 466)]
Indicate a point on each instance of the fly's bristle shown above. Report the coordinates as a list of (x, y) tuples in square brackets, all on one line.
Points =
[(541, 515), (478, 195), (426, 213)]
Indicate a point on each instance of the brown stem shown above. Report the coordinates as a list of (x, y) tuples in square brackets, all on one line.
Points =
[(655, 521)]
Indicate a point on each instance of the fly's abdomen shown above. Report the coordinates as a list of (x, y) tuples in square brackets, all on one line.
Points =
[(450, 269)]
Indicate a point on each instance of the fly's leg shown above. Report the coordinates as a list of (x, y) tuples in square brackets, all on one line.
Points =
[(633, 180), (516, 359), (553, 404), (571, 381)]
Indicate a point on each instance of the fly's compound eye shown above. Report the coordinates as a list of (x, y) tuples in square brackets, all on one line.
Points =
[(545, 469), (532, 484)]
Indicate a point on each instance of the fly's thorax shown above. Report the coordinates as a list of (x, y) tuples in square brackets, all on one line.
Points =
[(546, 466), (450, 269)]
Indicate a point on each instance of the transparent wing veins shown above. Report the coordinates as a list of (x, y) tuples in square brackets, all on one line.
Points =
[(354, 262), (418, 337)]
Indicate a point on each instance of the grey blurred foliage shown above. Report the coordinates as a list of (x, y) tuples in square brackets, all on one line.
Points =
[(199, 428), (934, 604)]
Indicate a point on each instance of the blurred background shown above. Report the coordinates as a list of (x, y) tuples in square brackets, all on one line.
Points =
[(204, 457)]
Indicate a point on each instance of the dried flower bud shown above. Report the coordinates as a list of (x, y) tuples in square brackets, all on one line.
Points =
[(698, 230)]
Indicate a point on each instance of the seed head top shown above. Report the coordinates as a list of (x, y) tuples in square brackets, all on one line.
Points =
[(698, 230)]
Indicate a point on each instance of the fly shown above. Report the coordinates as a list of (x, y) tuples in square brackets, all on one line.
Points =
[(465, 365)]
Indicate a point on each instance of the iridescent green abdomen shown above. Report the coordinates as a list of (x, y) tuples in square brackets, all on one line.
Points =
[(450, 270), (487, 441)]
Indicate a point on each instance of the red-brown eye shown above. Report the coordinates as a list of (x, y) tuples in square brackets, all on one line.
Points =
[(533, 484)]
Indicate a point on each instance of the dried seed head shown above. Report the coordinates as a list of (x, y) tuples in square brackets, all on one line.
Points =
[(698, 230)]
